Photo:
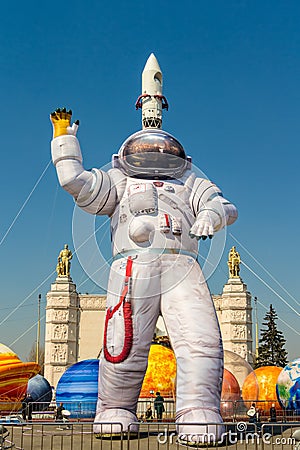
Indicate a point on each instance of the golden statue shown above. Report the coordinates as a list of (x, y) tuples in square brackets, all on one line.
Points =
[(234, 261), (63, 262)]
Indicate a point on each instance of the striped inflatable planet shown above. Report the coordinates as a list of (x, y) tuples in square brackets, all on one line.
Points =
[(14, 376), (77, 388)]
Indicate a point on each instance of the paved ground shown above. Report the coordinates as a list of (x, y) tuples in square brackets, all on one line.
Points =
[(79, 436)]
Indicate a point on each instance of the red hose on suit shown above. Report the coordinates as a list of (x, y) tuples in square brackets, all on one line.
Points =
[(127, 314)]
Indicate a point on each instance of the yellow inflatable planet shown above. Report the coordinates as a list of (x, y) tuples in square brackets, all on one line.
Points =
[(161, 372), (14, 376), (161, 375)]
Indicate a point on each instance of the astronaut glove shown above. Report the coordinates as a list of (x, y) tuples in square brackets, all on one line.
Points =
[(203, 226), (61, 121)]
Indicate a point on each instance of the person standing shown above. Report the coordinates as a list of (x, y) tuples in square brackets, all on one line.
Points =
[(252, 414), (149, 414), (159, 406), (27, 407), (59, 412), (24, 408), (273, 417), (29, 402)]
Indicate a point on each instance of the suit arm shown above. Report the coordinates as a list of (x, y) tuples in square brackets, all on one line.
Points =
[(211, 209), (92, 190)]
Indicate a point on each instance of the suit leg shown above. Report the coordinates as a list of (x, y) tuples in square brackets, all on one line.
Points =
[(192, 324), (120, 383)]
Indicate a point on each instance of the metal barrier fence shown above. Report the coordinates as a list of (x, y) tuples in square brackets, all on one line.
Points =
[(232, 411), (151, 436)]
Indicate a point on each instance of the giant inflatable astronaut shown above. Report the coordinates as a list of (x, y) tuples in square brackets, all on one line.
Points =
[(158, 210)]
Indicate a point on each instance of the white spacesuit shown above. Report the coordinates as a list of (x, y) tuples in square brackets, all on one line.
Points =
[(157, 208)]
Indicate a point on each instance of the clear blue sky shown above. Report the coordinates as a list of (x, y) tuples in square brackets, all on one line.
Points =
[(232, 77)]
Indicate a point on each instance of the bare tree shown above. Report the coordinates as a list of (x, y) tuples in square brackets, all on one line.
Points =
[(32, 356)]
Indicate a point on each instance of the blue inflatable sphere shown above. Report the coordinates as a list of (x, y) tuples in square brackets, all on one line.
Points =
[(288, 386), (40, 390), (77, 389)]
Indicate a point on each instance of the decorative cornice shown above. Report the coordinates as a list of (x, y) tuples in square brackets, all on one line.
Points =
[(92, 302)]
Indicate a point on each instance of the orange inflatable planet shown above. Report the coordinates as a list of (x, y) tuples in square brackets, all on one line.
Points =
[(161, 372), (230, 393), (230, 387), (14, 376), (260, 385), (250, 389)]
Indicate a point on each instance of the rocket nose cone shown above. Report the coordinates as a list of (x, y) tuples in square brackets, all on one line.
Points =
[(152, 64)]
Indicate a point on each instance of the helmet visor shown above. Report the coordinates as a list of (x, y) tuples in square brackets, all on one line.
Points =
[(155, 151), (154, 160)]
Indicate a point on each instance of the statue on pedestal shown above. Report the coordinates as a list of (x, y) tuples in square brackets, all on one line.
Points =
[(234, 261), (63, 262)]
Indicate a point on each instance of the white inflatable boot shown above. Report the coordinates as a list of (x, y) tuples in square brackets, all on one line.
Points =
[(199, 426), (114, 422)]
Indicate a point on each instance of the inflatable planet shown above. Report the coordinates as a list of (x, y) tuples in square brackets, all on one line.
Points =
[(40, 390), (230, 393), (77, 388), (14, 376), (161, 375), (250, 389), (288, 386), (161, 372), (261, 386), (230, 388), (237, 365)]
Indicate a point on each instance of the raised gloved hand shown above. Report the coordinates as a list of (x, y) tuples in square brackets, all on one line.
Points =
[(203, 226), (61, 121)]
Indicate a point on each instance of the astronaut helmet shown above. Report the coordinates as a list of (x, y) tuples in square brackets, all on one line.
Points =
[(152, 153)]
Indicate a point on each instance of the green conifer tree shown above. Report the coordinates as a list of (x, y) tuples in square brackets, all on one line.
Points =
[(271, 351)]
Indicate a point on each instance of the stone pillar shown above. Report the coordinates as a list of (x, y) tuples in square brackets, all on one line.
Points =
[(61, 334), (234, 312)]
